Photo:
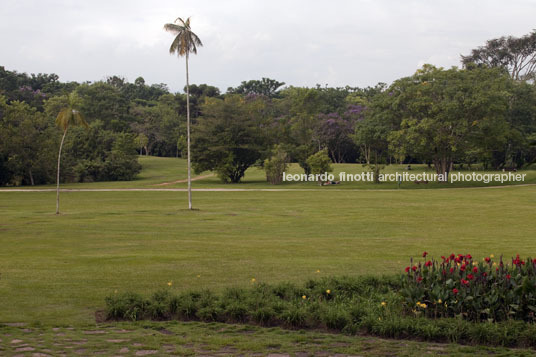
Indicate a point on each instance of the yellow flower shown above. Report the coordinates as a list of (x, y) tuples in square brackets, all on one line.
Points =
[(253, 280), (384, 303), (439, 301), (494, 264), (318, 270), (474, 263), (424, 306), (198, 276), (304, 297), (328, 291), (418, 303), (115, 291), (491, 256), (169, 283)]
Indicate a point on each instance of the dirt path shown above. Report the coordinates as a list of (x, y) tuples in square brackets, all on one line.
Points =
[(185, 180), (325, 189)]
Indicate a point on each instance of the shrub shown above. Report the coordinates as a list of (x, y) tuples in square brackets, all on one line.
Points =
[(127, 306), (276, 165), (319, 163)]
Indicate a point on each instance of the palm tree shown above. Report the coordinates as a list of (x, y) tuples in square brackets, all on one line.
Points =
[(185, 42), (66, 117)]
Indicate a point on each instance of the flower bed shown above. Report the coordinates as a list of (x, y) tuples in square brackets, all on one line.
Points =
[(455, 299), (459, 286)]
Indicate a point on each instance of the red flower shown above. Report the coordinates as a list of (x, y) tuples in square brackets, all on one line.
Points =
[(419, 279), (428, 263), (468, 256), (452, 256), (465, 282), (518, 261), (462, 268), (457, 260), (508, 276), (451, 270), (484, 274), (414, 268), (443, 257), (470, 276), (444, 272), (455, 291), (424, 254), (533, 261), (407, 269), (475, 270), (488, 259)]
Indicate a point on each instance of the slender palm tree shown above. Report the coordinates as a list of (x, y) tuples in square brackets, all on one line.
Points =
[(185, 42), (68, 116)]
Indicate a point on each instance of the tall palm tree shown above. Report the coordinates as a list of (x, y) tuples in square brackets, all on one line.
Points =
[(185, 42), (67, 116)]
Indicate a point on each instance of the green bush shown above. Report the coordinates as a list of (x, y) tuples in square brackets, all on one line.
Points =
[(381, 306), (276, 165)]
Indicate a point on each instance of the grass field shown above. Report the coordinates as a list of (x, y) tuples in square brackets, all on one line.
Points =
[(56, 270)]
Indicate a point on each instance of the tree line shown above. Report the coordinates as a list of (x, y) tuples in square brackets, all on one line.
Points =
[(483, 113)]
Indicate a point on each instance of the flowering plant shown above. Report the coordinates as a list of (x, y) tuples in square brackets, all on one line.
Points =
[(458, 285)]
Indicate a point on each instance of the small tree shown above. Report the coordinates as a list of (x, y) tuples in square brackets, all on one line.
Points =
[(67, 116), (276, 165), (320, 163), (142, 141)]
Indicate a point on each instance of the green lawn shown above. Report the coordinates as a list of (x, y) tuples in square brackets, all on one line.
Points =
[(56, 270)]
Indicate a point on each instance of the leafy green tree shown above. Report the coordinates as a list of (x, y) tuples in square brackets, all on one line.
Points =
[(185, 41), (141, 141), (515, 54), (445, 113), (68, 116), (371, 136), (228, 137), (266, 86)]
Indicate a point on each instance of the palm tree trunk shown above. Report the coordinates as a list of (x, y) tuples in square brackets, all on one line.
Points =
[(188, 134), (58, 175)]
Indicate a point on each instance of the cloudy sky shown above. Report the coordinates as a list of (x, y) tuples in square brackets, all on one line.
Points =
[(302, 43)]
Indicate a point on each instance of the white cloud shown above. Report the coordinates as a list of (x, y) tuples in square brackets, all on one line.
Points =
[(298, 42)]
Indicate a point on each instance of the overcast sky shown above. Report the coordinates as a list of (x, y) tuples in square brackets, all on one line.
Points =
[(301, 43)]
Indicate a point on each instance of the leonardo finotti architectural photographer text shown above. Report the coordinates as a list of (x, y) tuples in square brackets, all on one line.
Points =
[(408, 177)]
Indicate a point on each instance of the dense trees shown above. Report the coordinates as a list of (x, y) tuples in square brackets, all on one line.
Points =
[(29, 140), (482, 114)]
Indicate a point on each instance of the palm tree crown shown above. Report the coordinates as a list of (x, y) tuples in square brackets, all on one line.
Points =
[(185, 40), (69, 115)]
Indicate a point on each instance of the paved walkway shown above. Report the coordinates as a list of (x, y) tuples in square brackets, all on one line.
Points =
[(324, 189)]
